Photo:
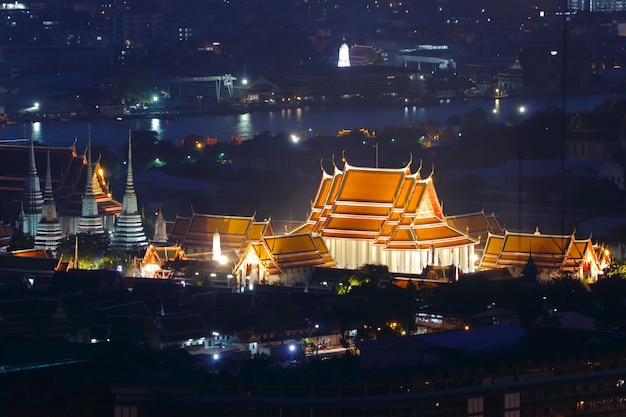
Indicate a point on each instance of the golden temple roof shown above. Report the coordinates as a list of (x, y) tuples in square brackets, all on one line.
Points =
[(478, 224), (556, 252), (279, 253), (391, 206), (234, 231)]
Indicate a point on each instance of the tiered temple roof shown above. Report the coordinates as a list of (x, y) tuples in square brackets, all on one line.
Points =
[(391, 207), (552, 254), (478, 225), (281, 253), (195, 233)]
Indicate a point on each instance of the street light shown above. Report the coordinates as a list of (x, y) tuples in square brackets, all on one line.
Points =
[(292, 349), (216, 357)]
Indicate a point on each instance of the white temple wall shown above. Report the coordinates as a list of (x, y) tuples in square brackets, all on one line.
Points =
[(352, 254)]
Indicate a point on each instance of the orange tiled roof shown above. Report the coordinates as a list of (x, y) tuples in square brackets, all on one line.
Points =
[(390, 206), (478, 225), (556, 252), (278, 253), (260, 229), (179, 229), (233, 230)]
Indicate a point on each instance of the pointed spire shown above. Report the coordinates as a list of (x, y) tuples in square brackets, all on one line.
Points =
[(130, 185), (32, 200), (160, 228), (49, 231), (90, 221), (129, 233), (50, 213)]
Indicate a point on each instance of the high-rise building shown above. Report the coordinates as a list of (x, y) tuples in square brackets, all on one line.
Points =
[(129, 233)]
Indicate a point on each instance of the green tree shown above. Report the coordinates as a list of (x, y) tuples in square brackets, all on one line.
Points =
[(92, 249), (617, 269)]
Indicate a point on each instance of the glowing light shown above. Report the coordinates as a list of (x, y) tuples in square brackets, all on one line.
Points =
[(344, 56), (295, 138), (522, 109)]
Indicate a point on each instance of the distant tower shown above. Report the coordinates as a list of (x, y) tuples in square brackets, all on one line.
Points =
[(49, 231), (344, 55), (160, 229), (32, 200), (129, 234), (90, 221)]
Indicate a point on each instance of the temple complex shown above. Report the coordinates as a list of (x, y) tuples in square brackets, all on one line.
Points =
[(49, 229), (550, 256), (129, 233), (388, 216), (68, 179)]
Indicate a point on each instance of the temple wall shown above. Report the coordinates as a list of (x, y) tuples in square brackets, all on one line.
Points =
[(352, 254)]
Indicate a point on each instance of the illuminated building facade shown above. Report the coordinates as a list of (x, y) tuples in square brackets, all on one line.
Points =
[(388, 216)]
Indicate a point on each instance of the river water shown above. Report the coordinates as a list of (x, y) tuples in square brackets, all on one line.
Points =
[(114, 133)]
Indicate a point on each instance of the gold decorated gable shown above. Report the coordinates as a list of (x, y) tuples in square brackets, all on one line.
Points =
[(392, 207)]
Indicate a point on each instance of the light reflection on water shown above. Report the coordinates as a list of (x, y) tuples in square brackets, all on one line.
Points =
[(115, 133)]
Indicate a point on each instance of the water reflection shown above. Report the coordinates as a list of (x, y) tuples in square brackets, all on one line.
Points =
[(155, 125), (115, 133)]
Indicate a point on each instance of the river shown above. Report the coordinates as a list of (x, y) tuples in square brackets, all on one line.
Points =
[(114, 133)]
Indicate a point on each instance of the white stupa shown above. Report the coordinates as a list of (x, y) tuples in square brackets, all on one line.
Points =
[(344, 55)]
